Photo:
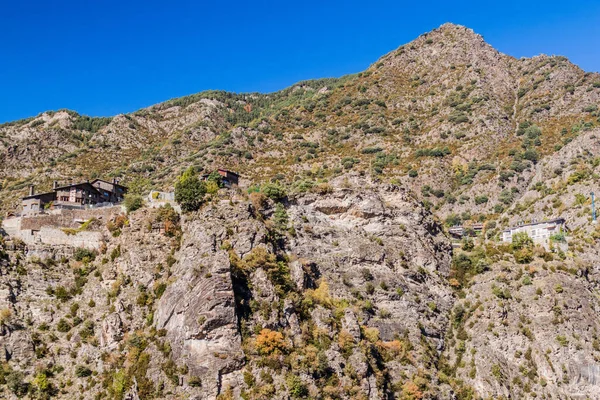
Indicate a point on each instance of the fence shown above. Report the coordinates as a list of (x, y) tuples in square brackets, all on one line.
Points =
[(81, 207)]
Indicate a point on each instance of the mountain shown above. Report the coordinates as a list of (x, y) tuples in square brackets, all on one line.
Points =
[(347, 285)]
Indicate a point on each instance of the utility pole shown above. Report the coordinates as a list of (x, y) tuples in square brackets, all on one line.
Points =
[(593, 209)]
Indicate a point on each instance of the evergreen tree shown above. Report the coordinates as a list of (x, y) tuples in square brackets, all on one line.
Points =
[(189, 190)]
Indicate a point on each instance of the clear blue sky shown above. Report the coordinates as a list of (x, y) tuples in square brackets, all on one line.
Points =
[(104, 57)]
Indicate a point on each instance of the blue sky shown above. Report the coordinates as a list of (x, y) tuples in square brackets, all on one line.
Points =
[(104, 57)]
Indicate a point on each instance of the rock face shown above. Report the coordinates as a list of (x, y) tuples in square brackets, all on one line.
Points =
[(519, 334), (198, 308), (338, 281), (374, 248)]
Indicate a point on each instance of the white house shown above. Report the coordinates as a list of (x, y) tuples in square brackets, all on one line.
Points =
[(539, 232)]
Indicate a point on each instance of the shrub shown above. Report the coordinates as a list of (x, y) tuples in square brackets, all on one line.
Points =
[(62, 294), (434, 152), (481, 199), (562, 340), (170, 218), (258, 200), (273, 191), (531, 155), (195, 381), (133, 202), (82, 371), (366, 274), (270, 342), (5, 315), (467, 244), (521, 240), (63, 326), (189, 191), (453, 220), (83, 254), (296, 388), (524, 256), (15, 381), (371, 150)]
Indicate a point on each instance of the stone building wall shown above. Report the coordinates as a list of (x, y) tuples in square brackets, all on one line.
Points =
[(68, 218)]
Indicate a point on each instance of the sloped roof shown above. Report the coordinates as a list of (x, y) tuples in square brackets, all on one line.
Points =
[(75, 185), (550, 221), (38, 195), (110, 183)]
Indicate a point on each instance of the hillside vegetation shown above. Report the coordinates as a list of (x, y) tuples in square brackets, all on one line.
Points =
[(328, 273)]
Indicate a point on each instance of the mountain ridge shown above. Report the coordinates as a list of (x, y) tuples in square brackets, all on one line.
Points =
[(330, 272)]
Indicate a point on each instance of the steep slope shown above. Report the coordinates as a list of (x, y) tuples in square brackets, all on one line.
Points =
[(347, 287), (343, 294), (442, 112)]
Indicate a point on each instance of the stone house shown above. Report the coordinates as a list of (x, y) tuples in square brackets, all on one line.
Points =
[(539, 232), (74, 194), (111, 192), (229, 178), (77, 194), (34, 203)]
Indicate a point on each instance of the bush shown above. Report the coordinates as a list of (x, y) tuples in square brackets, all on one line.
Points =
[(133, 202), (524, 256), (521, 240), (481, 199), (82, 254), (15, 381), (371, 150), (189, 191), (296, 388), (273, 191), (62, 294), (435, 152), (269, 342), (531, 155), (63, 326), (194, 381), (82, 371)]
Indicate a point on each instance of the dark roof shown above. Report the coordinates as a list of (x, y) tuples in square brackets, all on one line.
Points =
[(76, 184), (110, 183), (37, 195), (557, 220), (228, 171)]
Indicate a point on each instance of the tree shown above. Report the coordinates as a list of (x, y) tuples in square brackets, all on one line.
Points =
[(189, 190), (521, 240), (280, 218), (215, 177), (268, 342), (531, 155), (273, 191), (133, 202)]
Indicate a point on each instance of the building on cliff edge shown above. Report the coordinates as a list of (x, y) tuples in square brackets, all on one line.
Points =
[(74, 195), (539, 232)]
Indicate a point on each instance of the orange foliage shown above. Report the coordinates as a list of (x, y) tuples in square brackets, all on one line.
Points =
[(269, 342), (410, 391)]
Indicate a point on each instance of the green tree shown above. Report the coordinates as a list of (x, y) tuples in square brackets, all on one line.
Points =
[(133, 202), (280, 218), (139, 186), (273, 191), (189, 190), (521, 240), (215, 177)]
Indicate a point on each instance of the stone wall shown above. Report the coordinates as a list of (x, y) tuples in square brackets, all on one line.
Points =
[(68, 218), (56, 237), (47, 229)]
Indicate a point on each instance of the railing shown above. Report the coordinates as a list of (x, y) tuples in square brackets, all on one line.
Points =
[(81, 207)]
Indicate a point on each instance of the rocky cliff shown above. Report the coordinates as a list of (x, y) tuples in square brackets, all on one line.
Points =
[(329, 272)]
